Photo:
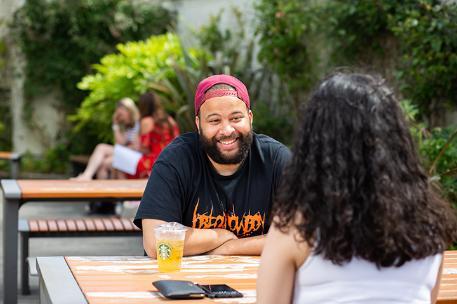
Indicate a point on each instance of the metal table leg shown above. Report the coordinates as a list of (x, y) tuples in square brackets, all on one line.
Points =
[(15, 164), (11, 199)]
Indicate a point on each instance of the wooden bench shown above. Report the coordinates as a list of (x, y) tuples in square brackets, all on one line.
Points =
[(15, 162), (76, 227)]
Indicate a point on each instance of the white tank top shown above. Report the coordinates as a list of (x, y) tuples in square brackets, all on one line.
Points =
[(320, 281)]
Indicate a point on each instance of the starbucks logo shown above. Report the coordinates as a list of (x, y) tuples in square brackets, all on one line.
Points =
[(164, 251)]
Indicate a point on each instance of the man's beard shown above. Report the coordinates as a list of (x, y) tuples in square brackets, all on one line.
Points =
[(210, 147)]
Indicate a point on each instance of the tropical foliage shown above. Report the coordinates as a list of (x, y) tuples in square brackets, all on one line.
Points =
[(128, 73), (438, 151), (61, 39)]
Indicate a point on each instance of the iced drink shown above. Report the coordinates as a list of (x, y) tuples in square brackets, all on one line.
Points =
[(169, 246)]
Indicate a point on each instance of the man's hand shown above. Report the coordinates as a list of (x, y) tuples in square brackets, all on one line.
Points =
[(246, 246)]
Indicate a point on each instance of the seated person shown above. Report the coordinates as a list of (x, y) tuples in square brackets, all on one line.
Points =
[(218, 181), (355, 219), (125, 128), (157, 130)]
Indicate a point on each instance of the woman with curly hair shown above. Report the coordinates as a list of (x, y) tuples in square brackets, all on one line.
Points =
[(355, 220)]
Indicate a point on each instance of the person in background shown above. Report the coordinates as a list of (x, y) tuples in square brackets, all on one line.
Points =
[(218, 181), (125, 130), (157, 130), (355, 219)]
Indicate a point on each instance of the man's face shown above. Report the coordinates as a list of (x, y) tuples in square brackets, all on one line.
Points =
[(225, 128)]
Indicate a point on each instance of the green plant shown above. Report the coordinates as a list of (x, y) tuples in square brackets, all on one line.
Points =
[(285, 29), (55, 160), (129, 73), (359, 29), (2, 54), (5, 128), (411, 42), (428, 67), (60, 39), (5, 114), (438, 152)]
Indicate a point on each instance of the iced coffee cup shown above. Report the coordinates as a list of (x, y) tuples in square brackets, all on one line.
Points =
[(169, 246)]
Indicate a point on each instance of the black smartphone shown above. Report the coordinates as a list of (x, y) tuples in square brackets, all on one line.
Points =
[(220, 291)]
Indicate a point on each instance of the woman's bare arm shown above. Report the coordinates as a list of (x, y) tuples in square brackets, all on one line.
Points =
[(281, 257)]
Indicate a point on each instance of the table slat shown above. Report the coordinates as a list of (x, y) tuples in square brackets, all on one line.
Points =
[(72, 189)]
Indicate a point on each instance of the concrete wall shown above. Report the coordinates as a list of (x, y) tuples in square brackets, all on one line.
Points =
[(192, 14), (38, 134)]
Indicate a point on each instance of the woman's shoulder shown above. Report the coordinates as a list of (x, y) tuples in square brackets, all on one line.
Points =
[(147, 124)]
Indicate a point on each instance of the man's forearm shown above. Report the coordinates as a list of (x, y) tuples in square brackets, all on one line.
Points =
[(245, 246), (200, 241)]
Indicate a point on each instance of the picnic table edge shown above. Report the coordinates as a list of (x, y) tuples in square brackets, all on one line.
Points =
[(60, 285)]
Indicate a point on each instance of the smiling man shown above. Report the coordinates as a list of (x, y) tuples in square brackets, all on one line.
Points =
[(219, 181)]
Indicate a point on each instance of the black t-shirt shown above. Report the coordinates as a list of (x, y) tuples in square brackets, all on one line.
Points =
[(184, 187)]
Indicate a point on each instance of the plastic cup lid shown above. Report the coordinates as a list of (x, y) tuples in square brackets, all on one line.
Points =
[(170, 227)]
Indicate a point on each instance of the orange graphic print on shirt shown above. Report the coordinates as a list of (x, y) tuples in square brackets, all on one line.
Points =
[(241, 226)]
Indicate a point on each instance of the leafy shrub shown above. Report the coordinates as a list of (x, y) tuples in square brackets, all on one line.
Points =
[(428, 66), (412, 42), (284, 29), (359, 30), (5, 117), (60, 39), (128, 73), (55, 160), (416, 41), (2, 53), (438, 152)]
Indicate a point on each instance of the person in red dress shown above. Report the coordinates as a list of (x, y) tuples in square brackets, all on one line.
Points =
[(157, 130)]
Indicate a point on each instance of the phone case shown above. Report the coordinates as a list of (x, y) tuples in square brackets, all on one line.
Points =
[(175, 289)]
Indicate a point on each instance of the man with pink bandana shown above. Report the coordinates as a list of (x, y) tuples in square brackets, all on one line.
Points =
[(219, 181)]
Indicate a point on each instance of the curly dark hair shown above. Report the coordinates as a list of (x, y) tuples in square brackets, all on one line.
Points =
[(355, 186)]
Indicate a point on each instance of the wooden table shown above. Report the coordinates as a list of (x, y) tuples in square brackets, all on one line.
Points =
[(128, 279), (18, 192)]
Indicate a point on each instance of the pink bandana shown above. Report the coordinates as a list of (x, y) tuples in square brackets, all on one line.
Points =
[(201, 94)]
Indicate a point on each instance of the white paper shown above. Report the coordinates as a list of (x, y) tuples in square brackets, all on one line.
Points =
[(125, 159)]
